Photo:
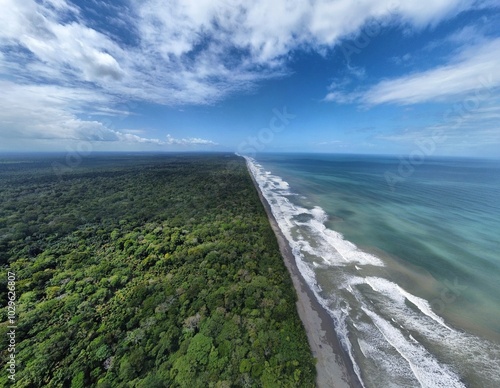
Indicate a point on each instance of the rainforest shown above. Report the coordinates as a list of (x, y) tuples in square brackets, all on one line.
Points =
[(144, 270)]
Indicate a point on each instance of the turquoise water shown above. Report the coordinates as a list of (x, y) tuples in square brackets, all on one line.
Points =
[(415, 296)]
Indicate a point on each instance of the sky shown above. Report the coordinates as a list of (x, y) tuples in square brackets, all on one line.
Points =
[(414, 77)]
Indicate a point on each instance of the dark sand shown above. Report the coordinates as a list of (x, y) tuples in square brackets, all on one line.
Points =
[(334, 367)]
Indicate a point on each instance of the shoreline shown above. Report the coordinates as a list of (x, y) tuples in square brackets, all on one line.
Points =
[(334, 368)]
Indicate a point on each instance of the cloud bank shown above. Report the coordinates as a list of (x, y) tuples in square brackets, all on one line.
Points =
[(57, 63)]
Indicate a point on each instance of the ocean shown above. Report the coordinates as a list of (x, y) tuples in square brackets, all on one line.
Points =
[(405, 258)]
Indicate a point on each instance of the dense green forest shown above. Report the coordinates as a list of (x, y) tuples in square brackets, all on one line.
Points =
[(145, 271)]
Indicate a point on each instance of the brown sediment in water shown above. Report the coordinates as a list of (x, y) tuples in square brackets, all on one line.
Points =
[(444, 297), (333, 365)]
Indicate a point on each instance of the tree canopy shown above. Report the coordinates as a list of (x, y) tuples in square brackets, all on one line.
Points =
[(146, 271)]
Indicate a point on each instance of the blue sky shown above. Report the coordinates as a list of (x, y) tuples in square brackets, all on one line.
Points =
[(378, 77)]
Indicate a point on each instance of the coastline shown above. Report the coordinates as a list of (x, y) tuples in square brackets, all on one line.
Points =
[(333, 366)]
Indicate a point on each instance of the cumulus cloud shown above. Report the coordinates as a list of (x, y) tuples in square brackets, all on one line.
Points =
[(188, 141), (53, 113), (50, 112), (177, 52), (72, 49), (195, 52)]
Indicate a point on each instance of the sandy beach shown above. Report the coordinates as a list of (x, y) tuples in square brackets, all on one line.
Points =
[(334, 368)]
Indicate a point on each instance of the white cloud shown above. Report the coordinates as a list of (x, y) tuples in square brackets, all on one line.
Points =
[(474, 70), (72, 49), (340, 97), (402, 60), (186, 50), (269, 30), (181, 52), (328, 143), (464, 127), (53, 113), (337, 87), (189, 141), (50, 112), (449, 139)]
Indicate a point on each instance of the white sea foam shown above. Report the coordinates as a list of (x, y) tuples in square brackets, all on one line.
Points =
[(397, 294), (428, 371), (309, 238), (378, 351), (330, 245), (480, 355)]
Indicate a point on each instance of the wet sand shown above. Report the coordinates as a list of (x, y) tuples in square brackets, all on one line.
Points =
[(334, 367)]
